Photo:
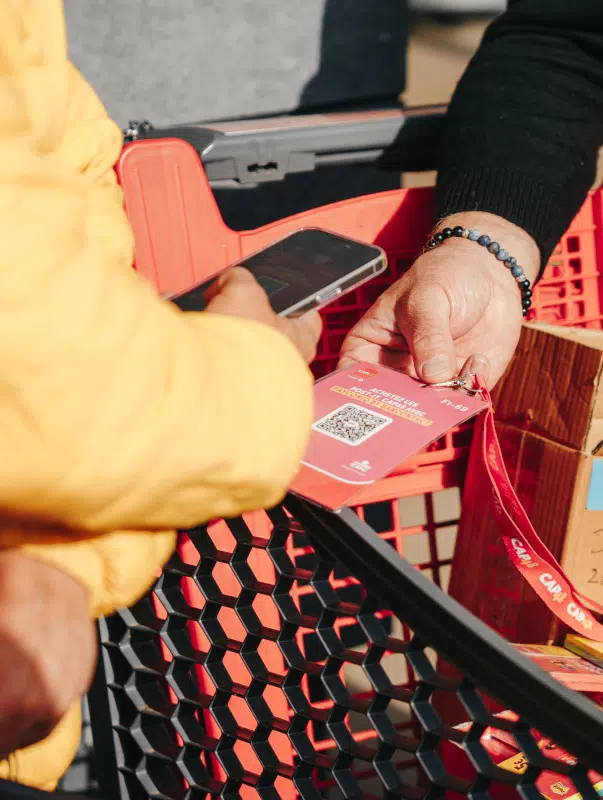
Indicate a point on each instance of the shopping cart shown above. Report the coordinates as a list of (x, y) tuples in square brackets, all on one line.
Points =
[(204, 693), (293, 654)]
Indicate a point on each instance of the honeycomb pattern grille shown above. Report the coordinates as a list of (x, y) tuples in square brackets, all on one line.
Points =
[(247, 673)]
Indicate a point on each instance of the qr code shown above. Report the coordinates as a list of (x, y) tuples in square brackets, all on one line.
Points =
[(351, 424)]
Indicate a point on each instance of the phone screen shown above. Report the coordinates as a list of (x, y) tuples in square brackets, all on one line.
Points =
[(297, 268)]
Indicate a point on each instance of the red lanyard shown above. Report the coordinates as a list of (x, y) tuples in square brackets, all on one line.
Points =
[(524, 547)]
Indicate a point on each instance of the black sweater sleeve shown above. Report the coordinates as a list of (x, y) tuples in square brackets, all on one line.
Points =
[(526, 121)]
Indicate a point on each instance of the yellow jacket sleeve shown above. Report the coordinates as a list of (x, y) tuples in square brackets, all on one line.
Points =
[(120, 417), (42, 764), (117, 411)]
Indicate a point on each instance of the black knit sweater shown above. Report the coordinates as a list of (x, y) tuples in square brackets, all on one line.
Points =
[(526, 121)]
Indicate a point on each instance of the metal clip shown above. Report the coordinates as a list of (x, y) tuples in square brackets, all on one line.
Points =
[(460, 383), (136, 129)]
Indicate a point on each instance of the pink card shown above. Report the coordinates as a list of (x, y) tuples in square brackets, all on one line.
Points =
[(368, 420)]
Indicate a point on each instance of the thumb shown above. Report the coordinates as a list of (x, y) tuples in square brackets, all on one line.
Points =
[(424, 320), (233, 279), (304, 332)]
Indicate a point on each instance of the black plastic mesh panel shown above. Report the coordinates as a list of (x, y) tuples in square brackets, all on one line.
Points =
[(248, 674)]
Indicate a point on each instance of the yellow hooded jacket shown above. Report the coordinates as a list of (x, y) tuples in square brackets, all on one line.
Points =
[(121, 418)]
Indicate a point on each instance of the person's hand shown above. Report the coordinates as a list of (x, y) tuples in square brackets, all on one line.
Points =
[(456, 301), (236, 293), (47, 648)]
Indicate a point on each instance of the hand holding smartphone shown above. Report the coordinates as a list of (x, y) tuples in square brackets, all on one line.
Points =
[(302, 272), (236, 293)]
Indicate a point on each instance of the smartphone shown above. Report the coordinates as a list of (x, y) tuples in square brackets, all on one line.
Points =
[(303, 272)]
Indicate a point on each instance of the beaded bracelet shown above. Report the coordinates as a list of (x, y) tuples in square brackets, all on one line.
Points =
[(496, 250)]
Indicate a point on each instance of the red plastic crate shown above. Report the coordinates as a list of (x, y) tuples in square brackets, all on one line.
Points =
[(176, 221), (570, 292)]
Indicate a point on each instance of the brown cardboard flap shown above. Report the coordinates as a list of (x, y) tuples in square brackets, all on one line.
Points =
[(580, 335), (483, 578), (583, 549), (594, 440), (554, 386), (544, 475)]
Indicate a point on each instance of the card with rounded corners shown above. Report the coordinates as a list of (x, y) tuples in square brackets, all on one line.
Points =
[(368, 420)]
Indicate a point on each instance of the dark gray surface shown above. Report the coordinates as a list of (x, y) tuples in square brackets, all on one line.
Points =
[(185, 60), (81, 776), (174, 61)]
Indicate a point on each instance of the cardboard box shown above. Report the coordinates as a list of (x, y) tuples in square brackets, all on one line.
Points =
[(549, 412)]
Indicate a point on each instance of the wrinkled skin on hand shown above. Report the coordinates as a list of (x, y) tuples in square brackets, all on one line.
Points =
[(456, 302)]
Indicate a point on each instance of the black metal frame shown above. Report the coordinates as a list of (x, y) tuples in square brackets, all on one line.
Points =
[(339, 539), (443, 624), (251, 152)]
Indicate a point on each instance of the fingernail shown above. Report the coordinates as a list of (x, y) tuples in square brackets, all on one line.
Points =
[(477, 365), (438, 365)]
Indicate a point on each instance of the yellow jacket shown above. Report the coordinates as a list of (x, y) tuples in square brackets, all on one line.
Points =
[(120, 417)]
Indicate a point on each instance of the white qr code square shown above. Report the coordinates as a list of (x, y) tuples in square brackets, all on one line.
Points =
[(351, 424)]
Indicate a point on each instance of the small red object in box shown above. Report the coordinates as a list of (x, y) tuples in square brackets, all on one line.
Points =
[(505, 754)]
